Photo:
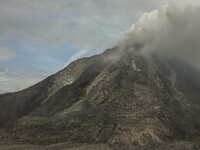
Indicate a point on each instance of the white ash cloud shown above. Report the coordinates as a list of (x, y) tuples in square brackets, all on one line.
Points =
[(173, 31)]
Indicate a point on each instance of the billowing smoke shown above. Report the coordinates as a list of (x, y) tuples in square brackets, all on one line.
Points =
[(173, 31)]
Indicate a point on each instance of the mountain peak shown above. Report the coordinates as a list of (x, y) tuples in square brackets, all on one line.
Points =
[(113, 100)]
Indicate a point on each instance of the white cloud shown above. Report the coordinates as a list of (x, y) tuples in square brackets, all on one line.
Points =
[(6, 53), (77, 56)]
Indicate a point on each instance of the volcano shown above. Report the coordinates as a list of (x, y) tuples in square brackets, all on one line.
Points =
[(114, 100)]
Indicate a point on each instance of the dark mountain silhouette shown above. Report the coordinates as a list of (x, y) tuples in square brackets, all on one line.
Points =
[(115, 100)]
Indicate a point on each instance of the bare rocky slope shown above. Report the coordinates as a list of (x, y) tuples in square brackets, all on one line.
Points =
[(113, 100)]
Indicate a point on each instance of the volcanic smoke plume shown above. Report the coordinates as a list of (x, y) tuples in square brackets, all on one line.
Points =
[(173, 31)]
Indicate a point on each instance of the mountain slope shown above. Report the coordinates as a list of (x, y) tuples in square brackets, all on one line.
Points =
[(118, 99), (15, 105)]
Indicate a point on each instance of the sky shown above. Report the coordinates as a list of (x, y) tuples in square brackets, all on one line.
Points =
[(40, 37)]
